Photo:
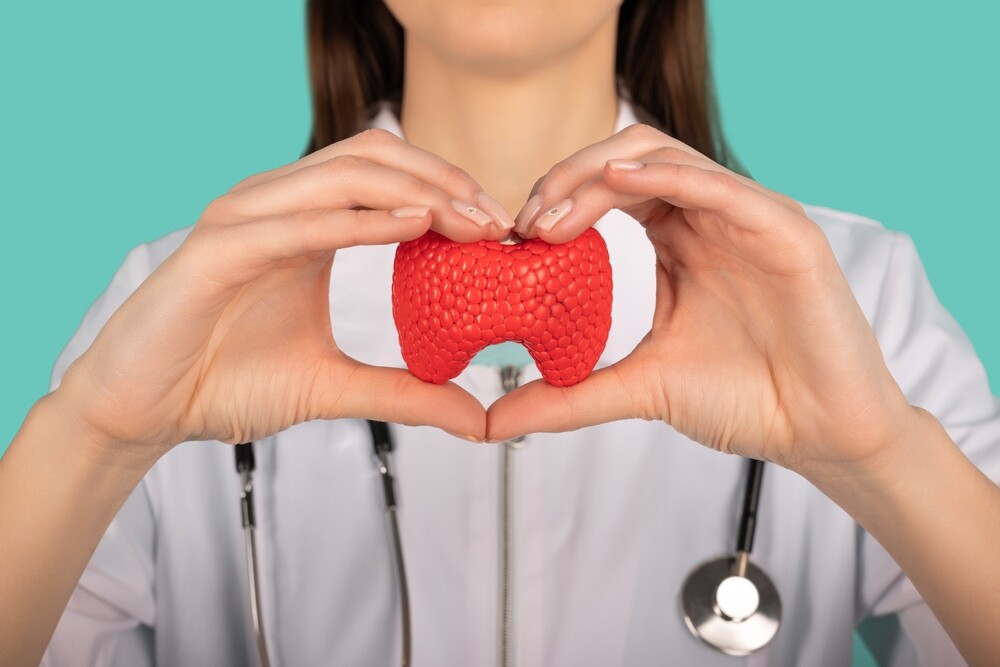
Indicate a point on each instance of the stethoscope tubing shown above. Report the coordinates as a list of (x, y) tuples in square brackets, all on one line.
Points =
[(383, 445), (751, 501)]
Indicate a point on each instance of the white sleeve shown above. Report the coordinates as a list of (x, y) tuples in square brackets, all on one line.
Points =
[(936, 366), (110, 616)]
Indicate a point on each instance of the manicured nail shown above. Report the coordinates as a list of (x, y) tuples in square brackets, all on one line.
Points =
[(496, 210), (410, 212), (551, 217), (471, 212), (624, 165), (527, 213)]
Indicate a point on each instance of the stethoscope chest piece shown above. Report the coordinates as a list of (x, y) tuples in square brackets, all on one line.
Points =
[(731, 613)]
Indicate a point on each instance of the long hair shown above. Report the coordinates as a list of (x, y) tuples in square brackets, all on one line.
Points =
[(356, 61)]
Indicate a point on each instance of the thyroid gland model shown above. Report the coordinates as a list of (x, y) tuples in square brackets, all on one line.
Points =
[(450, 300)]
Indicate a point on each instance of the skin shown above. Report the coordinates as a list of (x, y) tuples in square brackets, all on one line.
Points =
[(757, 345), (507, 71), (229, 339)]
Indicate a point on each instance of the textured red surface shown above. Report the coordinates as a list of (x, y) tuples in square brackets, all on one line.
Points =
[(450, 300)]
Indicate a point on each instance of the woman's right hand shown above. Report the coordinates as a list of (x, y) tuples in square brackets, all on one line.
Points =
[(230, 338)]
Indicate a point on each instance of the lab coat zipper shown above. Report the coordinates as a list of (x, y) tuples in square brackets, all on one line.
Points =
[(509, 377)]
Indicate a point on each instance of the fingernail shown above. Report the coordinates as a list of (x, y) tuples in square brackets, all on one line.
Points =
[(496, 210), (472, 438), (624, 165), (471, 212), (410, 212), (527, 213), (551, 217)]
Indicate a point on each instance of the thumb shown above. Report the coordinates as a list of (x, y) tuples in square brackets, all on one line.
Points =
[(395, 395), (538, 407), (623, 390)]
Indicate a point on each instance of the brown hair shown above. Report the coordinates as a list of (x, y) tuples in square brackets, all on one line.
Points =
[(356, 61)]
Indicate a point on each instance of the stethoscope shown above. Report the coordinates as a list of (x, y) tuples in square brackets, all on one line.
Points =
[(729, 603), (382, 445)]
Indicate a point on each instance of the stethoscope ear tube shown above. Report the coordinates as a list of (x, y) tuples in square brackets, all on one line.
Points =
[(245, 466), (382, 444)]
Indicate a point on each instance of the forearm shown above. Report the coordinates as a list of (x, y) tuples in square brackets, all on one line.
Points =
[(939, 518), (59, 491)]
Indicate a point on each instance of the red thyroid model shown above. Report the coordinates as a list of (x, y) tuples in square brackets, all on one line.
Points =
[(450, 300)]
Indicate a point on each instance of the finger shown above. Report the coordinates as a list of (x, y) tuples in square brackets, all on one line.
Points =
[(593, 198), (389, 150), (773, 236), (636, 142), (606, 395), (236, 254), (354, 145), (567, 219), (691, 158), (343, 182), (385, 148), (693, 187), (567, 175), (397, 396), (349, 182)]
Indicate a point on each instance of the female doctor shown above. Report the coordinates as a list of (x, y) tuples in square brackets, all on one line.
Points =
[(742, 321)]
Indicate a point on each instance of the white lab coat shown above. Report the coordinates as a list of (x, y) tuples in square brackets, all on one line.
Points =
[(606, 521)]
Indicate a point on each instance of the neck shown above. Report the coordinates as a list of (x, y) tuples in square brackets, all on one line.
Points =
[(507, 129)]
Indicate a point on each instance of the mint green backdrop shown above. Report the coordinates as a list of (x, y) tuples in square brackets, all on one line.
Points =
[(121, 120)]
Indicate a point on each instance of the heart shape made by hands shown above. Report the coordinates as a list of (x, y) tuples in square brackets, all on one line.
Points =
[(450, 300)]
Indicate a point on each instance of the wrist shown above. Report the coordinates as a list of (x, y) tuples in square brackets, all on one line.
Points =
[(61, 485), (874, 488), (60, 416), (936, 515), (872, 451)]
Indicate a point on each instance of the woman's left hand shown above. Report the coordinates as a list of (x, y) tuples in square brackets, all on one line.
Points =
[(757, 347)]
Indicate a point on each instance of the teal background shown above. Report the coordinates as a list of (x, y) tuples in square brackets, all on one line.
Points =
[(121, 120)]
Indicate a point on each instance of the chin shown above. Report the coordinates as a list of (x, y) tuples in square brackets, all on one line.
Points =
[(503, 36)]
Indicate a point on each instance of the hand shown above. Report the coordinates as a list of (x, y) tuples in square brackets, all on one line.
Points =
[(757, 345), (230, 339)]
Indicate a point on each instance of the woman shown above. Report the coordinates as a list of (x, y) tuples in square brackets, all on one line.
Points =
[(767, 322)]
